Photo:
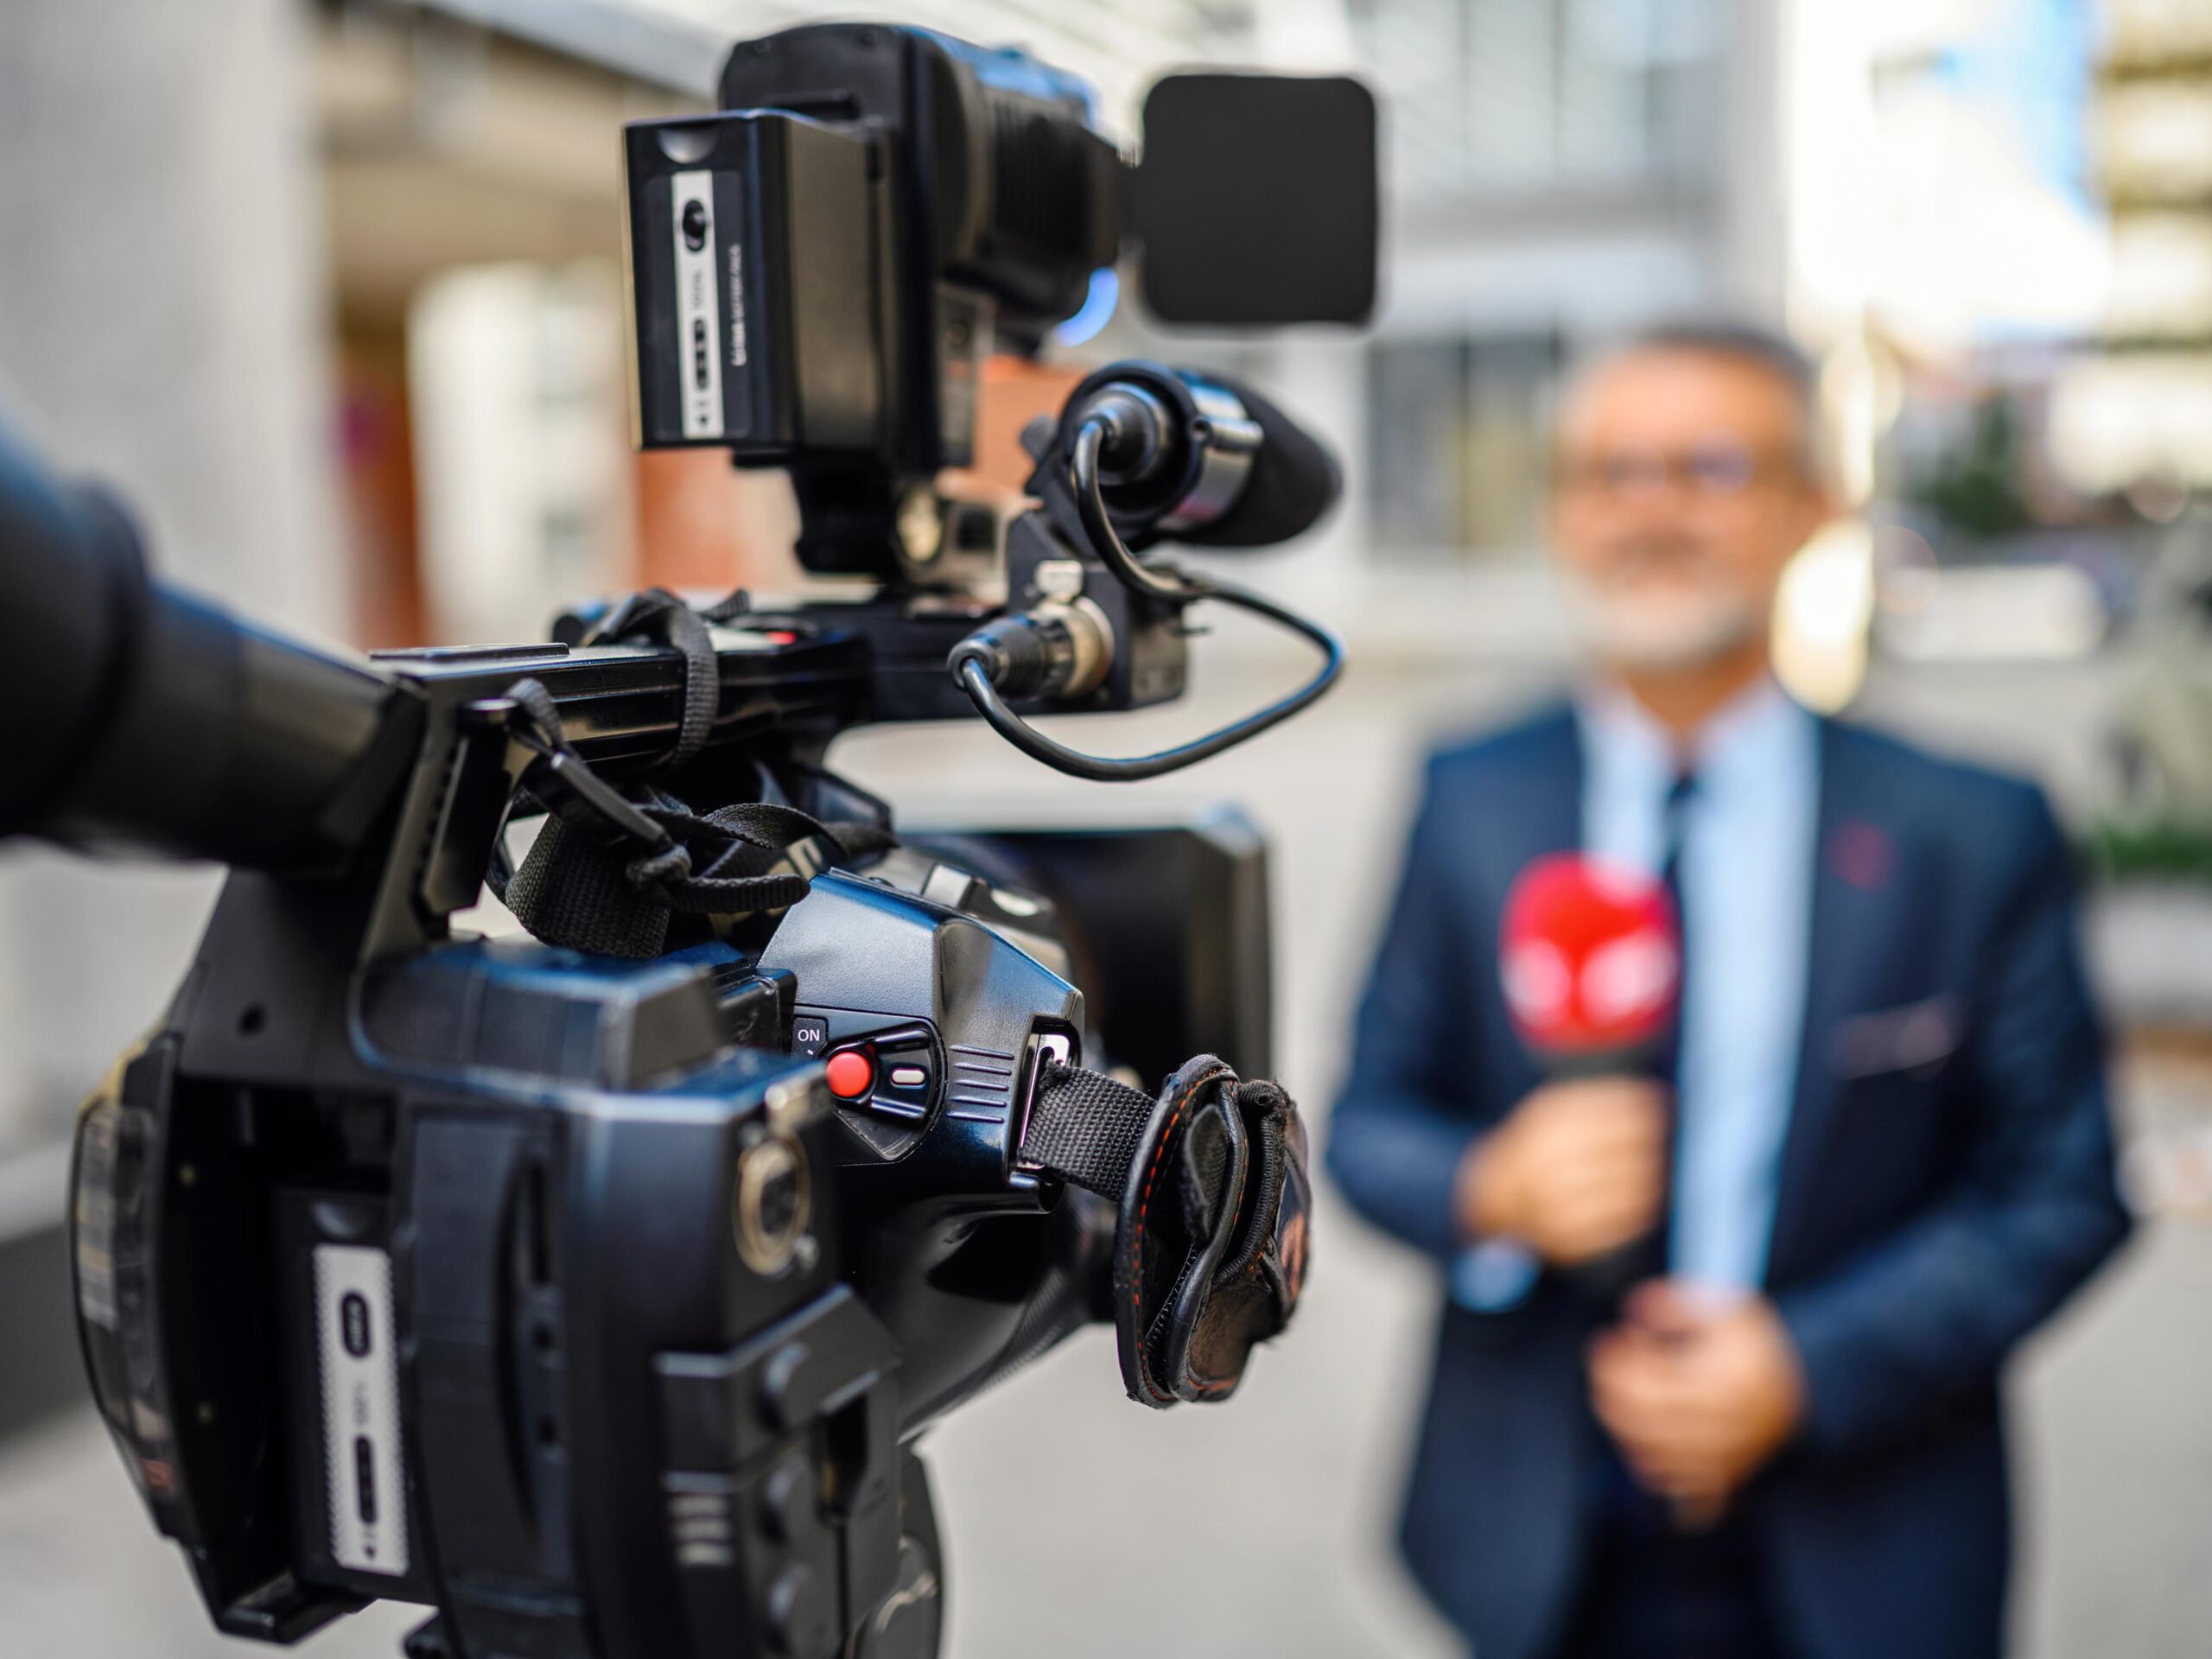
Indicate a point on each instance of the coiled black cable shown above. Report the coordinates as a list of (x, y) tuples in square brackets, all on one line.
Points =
[(1175, 587)]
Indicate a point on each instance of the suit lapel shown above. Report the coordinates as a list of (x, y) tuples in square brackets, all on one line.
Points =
[(1542, 800), (1553, 820), (1853, 890)]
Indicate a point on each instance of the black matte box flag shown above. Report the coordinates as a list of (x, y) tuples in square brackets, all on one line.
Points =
[(1256, 200)]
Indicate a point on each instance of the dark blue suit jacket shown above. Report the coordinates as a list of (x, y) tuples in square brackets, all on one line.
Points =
[(1947, 1180)]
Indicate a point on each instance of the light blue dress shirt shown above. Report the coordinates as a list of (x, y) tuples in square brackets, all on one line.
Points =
[(1748, 859)]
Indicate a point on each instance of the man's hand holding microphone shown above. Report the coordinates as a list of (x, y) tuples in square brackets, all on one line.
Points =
[(1699, 1388), (1578, 1173)]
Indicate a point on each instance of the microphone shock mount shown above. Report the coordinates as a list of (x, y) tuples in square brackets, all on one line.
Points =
[(1141, 453)]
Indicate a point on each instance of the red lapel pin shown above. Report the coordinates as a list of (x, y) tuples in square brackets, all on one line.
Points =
[(1863, 855)]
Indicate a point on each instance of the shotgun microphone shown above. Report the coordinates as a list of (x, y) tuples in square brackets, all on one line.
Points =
[(1199, 458)]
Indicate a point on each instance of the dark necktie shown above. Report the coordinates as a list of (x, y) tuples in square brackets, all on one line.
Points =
[(1674, 822), (1651, 1253)]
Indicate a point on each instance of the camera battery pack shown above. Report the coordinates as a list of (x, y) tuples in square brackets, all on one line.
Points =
[(353, 1521), (751, 263)]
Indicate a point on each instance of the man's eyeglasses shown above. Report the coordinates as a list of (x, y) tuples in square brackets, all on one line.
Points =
[(1719, 469)]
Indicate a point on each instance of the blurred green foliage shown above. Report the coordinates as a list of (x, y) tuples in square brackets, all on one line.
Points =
[(2158, 850), (1975, 487)]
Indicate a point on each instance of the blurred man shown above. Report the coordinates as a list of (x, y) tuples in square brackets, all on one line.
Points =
[(1879, 1155)]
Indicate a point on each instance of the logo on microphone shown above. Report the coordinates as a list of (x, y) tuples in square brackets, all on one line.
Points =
[(1590, 956)]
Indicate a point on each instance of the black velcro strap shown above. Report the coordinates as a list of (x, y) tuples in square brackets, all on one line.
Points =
[(735, 861), (659, 616), (1085, 1128), (573, 892), (610, 865)]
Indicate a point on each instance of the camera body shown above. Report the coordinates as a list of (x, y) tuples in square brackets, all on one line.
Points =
[(543, 1296), (597, 1302), (393, 1341), (593, 1287)]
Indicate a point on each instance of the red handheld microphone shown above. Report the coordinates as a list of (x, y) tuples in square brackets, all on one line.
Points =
[(1591, 955)]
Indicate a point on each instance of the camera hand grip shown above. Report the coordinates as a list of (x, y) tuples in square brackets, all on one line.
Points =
[(1214, 1203)]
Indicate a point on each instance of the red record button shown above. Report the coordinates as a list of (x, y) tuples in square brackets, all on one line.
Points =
[(850, 1074)]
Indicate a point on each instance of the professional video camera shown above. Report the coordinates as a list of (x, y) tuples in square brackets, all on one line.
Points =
[(593, 1287)]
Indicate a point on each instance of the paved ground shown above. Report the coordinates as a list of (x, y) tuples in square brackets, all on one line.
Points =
[(1047, 1488)]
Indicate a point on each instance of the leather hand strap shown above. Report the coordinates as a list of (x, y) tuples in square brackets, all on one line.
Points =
[(1214, 1202)]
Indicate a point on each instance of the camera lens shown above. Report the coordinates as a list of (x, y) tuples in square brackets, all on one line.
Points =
[(695, 225)]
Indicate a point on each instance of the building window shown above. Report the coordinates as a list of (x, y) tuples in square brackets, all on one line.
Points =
[(1459, 445), (1506, 97)]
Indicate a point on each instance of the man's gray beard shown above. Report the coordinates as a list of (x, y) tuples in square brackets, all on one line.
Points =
[(1630, 631)]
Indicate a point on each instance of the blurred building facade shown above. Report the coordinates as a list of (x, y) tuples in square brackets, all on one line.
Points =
[(1558, 173)]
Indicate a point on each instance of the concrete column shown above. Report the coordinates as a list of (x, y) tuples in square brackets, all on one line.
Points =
[(161, 327), (1753, 272)]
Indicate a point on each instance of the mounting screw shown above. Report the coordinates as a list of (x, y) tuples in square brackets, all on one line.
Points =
[(779, 1381)]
